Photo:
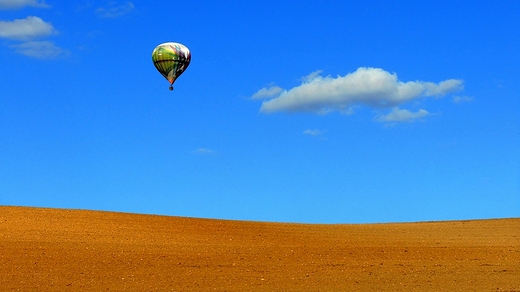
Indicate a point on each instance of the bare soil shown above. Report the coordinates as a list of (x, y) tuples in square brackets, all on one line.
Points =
[(71, 250)]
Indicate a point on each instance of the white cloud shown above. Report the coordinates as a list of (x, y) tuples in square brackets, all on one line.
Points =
[(17, 4), (267, 92), (403, 115), (444, 87), (313, 132), (40, 50), (311, 76), (460, 99), (372, 87), (28, 28), (114, 10)]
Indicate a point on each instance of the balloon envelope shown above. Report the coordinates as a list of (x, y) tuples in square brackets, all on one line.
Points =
[(171, 59)]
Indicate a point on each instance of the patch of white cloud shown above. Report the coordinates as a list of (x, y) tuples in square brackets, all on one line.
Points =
[(443, 88), (398, 115), (29, 28), (311, 76), (17, 4), (462, 99), (373, 87), (115, 10), (40, 50), (267, 92), (313, 132)]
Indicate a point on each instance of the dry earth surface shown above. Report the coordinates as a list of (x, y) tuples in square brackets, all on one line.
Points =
[(71, 250)]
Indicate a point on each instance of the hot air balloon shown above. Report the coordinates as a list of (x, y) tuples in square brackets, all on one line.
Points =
[(171, 59)]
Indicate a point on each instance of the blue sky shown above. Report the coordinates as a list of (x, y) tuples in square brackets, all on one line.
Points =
[(322, 112)]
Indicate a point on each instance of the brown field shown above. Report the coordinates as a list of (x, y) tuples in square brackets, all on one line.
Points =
[(70, 250)]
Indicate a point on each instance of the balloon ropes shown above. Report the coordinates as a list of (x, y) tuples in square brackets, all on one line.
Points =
[(171, 59)]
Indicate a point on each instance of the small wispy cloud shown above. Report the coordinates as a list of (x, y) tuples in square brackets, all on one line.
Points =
[(204, 151), (267, 92), (372, 87), (312, 76), (29, 28), (313, 132), (40, 50), (462, 99), (115, 10), (17, 4), (398, 115)]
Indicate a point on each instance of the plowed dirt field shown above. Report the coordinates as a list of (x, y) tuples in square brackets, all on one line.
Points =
[(76, 250)]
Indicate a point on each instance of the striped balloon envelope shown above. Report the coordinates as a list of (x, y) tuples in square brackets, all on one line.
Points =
[(171, 60)]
